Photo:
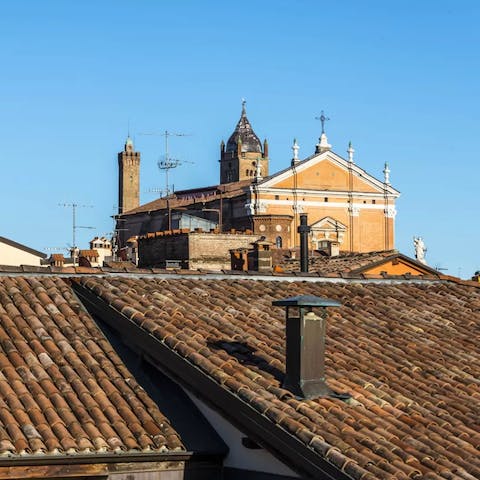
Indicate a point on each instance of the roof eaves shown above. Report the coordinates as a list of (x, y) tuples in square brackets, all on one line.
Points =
[(20, 246), (259, 427)]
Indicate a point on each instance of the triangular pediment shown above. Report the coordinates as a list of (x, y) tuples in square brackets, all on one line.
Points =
[(328, 223), (397, 265), (327, 172)]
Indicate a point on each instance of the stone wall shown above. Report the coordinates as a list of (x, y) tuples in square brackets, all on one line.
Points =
[(212, 251), (191, 250)]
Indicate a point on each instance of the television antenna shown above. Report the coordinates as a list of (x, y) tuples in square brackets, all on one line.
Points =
[(160, 191), (56, 249), (168, 163), (74, 207)]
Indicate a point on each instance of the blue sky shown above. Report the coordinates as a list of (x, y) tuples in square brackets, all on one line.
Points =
[(399, 79)]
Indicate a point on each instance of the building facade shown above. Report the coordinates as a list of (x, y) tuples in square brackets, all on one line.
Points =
[(344, 203)]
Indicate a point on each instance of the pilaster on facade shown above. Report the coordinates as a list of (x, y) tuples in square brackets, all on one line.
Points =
[(390, 212), (354, 210)]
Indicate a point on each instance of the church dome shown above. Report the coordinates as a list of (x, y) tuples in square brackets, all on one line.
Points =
[(244, 132)]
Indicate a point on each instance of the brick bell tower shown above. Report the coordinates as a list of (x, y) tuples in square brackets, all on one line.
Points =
[(128, 178), (243, 152)]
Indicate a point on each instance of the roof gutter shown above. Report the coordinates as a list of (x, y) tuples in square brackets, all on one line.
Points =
[(93, 458), (258, 427)]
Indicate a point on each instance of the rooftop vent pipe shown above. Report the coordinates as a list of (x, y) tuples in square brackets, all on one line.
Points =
[(303, 230), (305, 332)]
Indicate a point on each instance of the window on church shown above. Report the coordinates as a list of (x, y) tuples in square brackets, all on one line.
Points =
[(374, 201), (277, 197), (278, 242), (326, 199)]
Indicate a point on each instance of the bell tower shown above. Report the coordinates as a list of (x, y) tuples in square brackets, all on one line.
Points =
[(243, 157), (128, 178)]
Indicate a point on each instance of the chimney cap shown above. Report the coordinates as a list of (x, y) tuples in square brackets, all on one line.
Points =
[(306, 301)]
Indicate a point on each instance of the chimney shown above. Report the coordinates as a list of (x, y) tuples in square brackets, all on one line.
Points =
[(262, 255), (305, 349), (303, 230), (331, 248)]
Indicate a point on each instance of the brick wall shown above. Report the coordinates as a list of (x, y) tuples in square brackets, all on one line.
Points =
[(212, 251), (192, 250)]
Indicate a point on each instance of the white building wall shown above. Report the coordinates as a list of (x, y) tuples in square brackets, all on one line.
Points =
[(14, 256), (239, 456)]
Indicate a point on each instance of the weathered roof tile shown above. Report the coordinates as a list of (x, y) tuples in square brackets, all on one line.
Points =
[(405, 351), (63, 388)]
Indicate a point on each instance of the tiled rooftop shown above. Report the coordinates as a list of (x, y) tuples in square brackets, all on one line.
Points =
[(63, 389), (407, 352), (345, 262), (192, 197)]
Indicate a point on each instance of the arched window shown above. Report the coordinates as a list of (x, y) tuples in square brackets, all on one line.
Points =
[(278, 242)]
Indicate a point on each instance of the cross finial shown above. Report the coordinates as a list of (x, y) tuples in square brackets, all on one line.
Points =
[(322, 119), (244, 102)]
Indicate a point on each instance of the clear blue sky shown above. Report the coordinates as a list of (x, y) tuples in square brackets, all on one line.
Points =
[(400, 79)]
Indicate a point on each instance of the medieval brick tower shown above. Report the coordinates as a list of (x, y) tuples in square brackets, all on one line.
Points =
[(128, 178), (243, 158)]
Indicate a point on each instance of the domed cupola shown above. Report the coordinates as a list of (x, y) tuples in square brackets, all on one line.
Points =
[(244, 135), (243, 157)]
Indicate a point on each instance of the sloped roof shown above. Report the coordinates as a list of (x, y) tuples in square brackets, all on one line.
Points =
[(336, 159), (407, 352), (185, 198), (353, 263), (244, 133), (63, 389), (20, 246)]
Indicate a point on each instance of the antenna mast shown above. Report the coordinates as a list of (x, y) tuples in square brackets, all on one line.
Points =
[(168, 163), (74, 206)]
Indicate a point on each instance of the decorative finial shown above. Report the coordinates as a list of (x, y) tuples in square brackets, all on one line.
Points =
[(244, 102), (350, 152), (322, 119), (258, 170), (322, 145), (386, 174), (295, 148)]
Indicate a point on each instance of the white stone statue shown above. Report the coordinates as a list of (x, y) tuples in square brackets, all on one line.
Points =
[(420, 249)]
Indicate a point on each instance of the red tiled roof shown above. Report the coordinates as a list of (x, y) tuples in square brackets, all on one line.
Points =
[(88, 253), (346, 262), (63, 389), (406, 351), (229, 190)]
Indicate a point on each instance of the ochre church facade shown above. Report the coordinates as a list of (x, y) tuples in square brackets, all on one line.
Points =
[(343, 202)]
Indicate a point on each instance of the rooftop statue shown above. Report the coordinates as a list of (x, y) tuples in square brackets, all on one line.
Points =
[(420, 249)]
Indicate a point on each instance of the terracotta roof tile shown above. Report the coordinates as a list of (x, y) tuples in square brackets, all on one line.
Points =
[(62, 387), (406, 351), (349, 264)]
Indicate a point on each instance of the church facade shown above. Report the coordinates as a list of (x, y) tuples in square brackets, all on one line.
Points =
[(343, 202)]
